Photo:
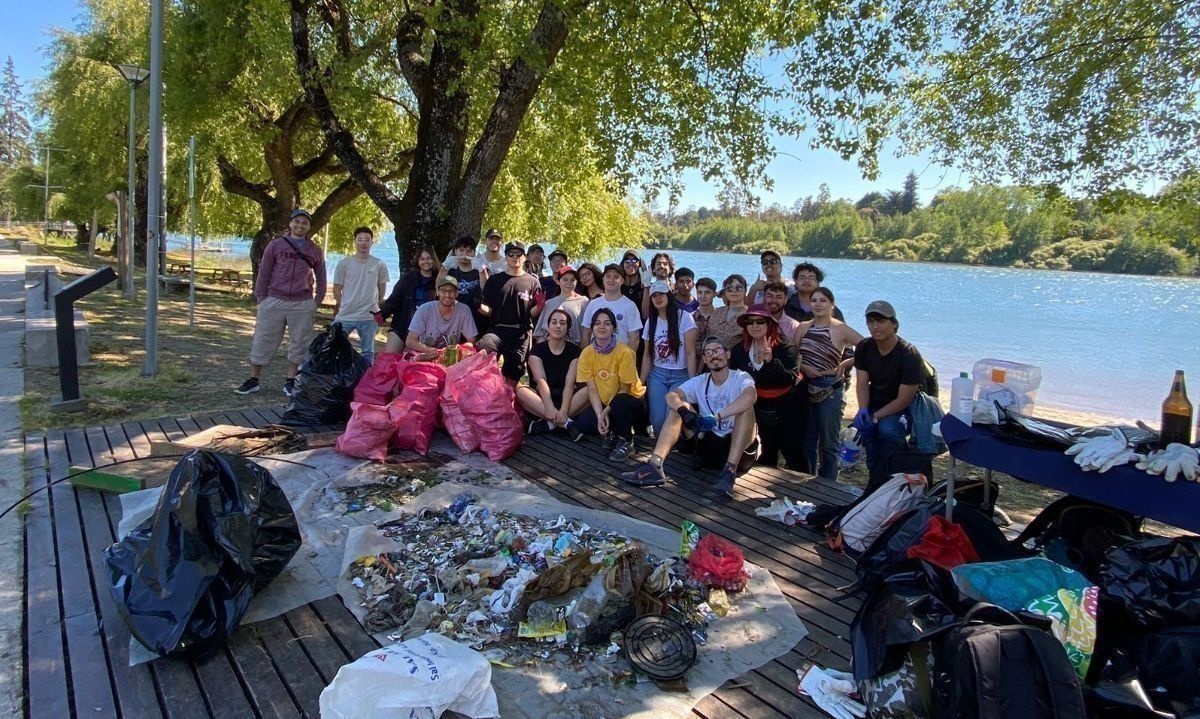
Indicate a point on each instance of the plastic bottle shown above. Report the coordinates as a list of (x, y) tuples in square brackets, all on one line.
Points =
[(590, 604), (540, 617), (851, 448), (962, 397), (1176, 414)]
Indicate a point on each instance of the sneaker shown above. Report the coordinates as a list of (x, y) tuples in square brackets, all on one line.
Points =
[(724, 485), (574, 432), (289, 387), (606, 442), (536, 426), (621, 450), (645, 474), (249, 386)]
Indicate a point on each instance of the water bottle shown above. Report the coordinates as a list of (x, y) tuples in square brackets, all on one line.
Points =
[(962, 397), (851, 448)]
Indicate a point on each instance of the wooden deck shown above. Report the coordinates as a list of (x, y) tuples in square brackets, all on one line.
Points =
[(76, 644)]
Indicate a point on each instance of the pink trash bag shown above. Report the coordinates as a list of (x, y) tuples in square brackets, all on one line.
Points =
[(414, 412), (367, 433), (460, 429), (381, 382), (488, 403)]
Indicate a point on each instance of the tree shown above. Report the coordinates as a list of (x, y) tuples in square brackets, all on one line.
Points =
[(1097, 94), (639, 91), (908, 196), (14, 134)]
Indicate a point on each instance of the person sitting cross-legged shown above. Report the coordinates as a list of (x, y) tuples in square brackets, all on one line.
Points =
[(717, 408)]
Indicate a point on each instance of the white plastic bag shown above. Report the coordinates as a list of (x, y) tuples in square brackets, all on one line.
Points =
[(417, 679)]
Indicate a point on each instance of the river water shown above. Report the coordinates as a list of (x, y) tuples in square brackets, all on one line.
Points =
[(1106, 344)]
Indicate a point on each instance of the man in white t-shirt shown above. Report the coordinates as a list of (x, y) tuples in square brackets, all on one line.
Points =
[(717, 406), (359, 285), (629, 317), (437, 325), (489, 262)]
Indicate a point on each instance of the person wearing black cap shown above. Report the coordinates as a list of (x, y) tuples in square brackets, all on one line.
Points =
[(290, 267), (888, 373), (488, 262), (558, 260), (772, 271), (510, 297)]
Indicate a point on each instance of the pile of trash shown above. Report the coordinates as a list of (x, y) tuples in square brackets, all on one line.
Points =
[(519, 588)]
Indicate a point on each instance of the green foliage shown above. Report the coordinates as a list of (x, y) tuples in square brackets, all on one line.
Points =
[(983, 225)]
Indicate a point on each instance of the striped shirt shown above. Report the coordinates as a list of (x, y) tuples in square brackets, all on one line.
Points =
[(817, 350)]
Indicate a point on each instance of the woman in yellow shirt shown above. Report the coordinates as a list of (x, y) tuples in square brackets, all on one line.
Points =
[(616, 395)]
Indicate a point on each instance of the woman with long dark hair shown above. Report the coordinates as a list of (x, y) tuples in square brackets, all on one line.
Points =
[(413, 289), (668, 350), (723, 322), (616, 395), (590, 281), (631, 278), (771, 361), (822, 343), (662, 267)]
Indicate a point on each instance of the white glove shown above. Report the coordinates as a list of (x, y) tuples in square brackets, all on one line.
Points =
[(831, 691), (1171, 462), (1104, 452)]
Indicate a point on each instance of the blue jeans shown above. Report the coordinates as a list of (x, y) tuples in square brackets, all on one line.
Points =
[(891, 436), (366, 336), (658, 384), (824, 426)]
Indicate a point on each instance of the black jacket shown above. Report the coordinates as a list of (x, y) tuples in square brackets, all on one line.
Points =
[(402, 302)]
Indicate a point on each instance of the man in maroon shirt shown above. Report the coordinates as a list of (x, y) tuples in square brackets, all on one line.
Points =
[(286, 299)]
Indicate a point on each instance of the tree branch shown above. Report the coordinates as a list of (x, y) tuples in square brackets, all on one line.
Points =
[(233, 182), (413, 66), (322, 163), (348, 190), (335, 16)]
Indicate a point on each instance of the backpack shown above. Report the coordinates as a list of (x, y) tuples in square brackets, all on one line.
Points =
[(929, 382), (1011, 671), (1077, 533), (867, 518)]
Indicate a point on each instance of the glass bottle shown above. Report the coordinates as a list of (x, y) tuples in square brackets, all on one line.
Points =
[(1177, 414)]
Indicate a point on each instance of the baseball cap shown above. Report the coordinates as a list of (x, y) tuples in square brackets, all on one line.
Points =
[(300, 211), (769, 253), (658, 287), (567, 268), (514, 246), (448, 280), (558, 253), (612, 267), (881, 307), (537, 247), (493, 232)]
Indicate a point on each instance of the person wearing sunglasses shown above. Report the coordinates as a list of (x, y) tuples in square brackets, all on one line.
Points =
[(632, 286), (723, 322), (772, 271), (771, 361), (718, 409), (510, 297)]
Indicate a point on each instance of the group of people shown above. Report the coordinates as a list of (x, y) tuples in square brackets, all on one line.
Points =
[(622, 350)]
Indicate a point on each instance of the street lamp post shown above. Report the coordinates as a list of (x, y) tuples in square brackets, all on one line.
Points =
[(135, 76)]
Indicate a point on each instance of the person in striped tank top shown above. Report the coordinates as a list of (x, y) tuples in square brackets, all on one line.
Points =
[(822, 342)]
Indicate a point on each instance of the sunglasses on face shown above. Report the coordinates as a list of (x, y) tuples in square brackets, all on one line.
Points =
[(713, 351), (735, 288), (514, 253), (629, 261), (755, 322), (769, 263)]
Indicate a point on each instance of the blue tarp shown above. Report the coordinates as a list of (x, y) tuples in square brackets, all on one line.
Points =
[(1128, 488)]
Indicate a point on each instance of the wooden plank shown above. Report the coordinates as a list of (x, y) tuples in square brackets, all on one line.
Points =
[(301, 677), (221, 686), (45, 662), (345, 628), (262, 680), (324, 651)]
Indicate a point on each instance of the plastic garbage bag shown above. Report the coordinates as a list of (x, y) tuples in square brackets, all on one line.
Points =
[(417, 679), (460, 429), (488, 403), (326, 381), (222, 530), (718, 562), (894, 615), (1156, 580), (1168, 663), (414, 412), (367, 433), (381, 383)]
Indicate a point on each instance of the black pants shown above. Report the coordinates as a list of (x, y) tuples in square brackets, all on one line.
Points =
[(510, 343), (625, 414), (713, 452), (781, 425)]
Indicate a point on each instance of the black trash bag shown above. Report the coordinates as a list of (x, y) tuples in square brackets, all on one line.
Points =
[(1157, 581), (1168, 665), (325, 383), (222, 530), (900, 611)]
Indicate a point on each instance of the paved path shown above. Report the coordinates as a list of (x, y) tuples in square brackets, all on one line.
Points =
[(12, 478)]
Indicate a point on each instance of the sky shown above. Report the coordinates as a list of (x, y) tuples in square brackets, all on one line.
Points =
[(798, 171)]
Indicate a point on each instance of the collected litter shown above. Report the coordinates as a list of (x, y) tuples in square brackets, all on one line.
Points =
[(325, 383), (833, 691), (786, 511)]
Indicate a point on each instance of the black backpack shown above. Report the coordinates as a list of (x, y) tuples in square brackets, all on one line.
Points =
[(1078, 533), (1009, 671)]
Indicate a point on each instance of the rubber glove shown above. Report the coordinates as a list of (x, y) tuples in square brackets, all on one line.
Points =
[(379, 320), (1177, 459), (706, 423), (831, 691), (862, 422), (1104, 452), (689, 418)]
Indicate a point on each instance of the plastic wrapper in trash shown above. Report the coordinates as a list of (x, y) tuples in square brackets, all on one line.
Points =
[(488, 403), (414, 412), (325, 383), (1157, 580), (222, 530), (718, 562), (381, 382), (367, 433), (418, 679)]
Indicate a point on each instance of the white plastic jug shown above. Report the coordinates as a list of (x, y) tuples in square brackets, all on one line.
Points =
[(851, 448), (962, 397)]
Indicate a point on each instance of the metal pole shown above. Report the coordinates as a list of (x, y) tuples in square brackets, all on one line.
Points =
[(130, 204), (46, 194), (192, 228), (154, 184)]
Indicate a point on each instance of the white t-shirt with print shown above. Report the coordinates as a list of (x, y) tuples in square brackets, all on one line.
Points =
[(360, 280), (629, 318), (708, 397), (661, 351)]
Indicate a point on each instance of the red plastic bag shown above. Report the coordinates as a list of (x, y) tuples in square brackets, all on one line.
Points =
[(944, 544), (489, 405), (414, 412), (381, 383), (718, 562), (367, 433)]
